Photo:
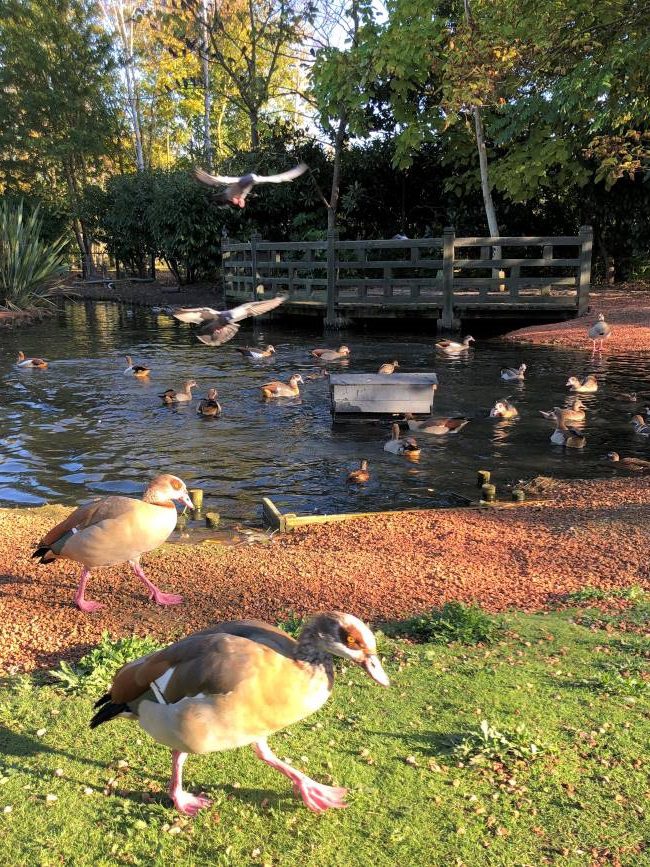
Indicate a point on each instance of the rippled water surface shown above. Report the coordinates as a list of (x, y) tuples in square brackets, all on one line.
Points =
[(81, 428)]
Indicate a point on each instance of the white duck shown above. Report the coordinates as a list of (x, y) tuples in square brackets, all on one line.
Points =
[(451, 347), (600, 331), (513, 374)]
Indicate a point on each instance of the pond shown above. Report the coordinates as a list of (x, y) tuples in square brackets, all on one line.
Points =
[(82, 428)]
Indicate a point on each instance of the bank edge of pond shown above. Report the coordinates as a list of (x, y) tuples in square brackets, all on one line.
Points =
[(381, 567)]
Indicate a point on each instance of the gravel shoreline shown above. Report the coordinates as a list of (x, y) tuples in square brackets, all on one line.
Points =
[(379, 567)]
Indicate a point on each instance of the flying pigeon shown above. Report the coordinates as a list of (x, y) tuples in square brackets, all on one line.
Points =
[(235, 190), (220, 326)]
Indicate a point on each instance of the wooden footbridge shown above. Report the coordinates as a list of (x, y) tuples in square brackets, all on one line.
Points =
[(446, 279)]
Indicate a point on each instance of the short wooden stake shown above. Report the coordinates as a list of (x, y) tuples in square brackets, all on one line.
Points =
[(196, 496), (489, 493), (483, 478), (181, 521), (518, 495), (212, 520)]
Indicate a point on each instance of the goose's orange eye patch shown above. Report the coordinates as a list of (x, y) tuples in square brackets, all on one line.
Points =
[(353, 643), (176, 484)]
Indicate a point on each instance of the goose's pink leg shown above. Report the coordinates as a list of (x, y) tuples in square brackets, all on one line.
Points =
[(184, 801), (157, 595), (83, 604), (316, 796)]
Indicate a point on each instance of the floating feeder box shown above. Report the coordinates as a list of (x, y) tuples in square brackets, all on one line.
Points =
[(377, 395)]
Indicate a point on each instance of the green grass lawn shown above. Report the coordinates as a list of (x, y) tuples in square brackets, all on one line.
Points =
[(424, 789)]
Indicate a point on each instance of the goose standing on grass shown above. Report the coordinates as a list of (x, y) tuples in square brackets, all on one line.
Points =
[(209, 406), (32, 363), (170, 396), (220, 326), (565, 436), (252, 352), (513, 374), (450, 347), (234, 685), (586, 385), (282, 389), (504, 409), (600, 331), (360, 476), (574, 413), (137, 370), (389, 367), (235, 190), (117, 530), (437, 426), (401, 446), (637, 464), (640, 426), (331, 354)]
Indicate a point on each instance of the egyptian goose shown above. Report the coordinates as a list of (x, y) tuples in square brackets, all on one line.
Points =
[(398, 446), (136, 369), (170, 396), (251, 352), (513, 374), (600, 331), (209, 406), (437, 426), (640, 426), (117, 530), (587, 385), (331, 354), (575, 412), (360, 476), (565, 436), (236, 684), (220, 326), (450, 347), (35, 363), (504, 409), (389, 367), (282, 389), (637, 464)]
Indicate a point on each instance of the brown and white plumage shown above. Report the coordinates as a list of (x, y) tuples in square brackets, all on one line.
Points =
[(184, 395), (117, 530), (586, 385), (33, 363), (574, 413), (360, 476), (566, 436), (282, 389), (209, 406), (235, 190), (640, 426), (331, 354), (600, 331), (399, 445), (389, 367), (513, 374), (637, 464), (235, 684), (504, 409), (451, 347), (255, 353), (220, 326), (137, 370), (437, 426)]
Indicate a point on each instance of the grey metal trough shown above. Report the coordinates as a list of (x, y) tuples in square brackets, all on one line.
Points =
[(375, 395)]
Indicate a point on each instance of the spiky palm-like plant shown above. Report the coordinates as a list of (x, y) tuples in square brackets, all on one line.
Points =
[(28, 265)]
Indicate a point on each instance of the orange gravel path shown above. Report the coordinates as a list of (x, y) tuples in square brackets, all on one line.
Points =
[(587, 532)]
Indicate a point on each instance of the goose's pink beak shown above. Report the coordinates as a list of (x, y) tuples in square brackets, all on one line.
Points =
[(184, 498), (374, 668)]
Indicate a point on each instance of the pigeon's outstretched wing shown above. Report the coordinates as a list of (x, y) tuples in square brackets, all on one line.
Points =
[(223, 324), (283, 177)]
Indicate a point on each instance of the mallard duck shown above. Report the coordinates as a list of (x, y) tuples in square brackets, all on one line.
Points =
[(600, 331), (389, 367), (170, 396), (360, 476), (234, 685), (513, 374), (251, 352), (504, 409), (137, 370), (35, 363), (437, 426), (565, 436), (282, 389), (209, 406), (450, 347), (637, 464), (117, 530), (398, 446), (587, 385), (220, 326), (640, 426), (331, 354), (575, 412)]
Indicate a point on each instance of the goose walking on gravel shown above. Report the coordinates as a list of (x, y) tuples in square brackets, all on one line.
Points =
[(586, 385), (600, 331), (513, 374), (451, 347), (33, 363), (171, 396), (234, 685), (117, 530), (220, 326)]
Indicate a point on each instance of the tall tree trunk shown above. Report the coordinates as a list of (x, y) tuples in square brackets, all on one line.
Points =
[(490, 213), (332, 207), (207, 97), (255, 128)]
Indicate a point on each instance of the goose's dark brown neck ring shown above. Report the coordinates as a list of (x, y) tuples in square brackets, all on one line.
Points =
[(310, 650)]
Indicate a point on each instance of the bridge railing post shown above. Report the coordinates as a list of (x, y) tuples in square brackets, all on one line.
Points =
[(255, 237), (332, 250), (447, 323), (584, 271)]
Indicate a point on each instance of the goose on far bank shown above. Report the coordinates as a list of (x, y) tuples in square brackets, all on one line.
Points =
[(600, 331), (33, 363), (586, 385), (513, 374), (137, 370), (504, 409), (184, 396), (451, 347), (209, 406), (401, 446)]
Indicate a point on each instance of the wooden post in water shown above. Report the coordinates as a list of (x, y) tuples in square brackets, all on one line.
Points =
[(584, 273), (446, 323), (330, 316)]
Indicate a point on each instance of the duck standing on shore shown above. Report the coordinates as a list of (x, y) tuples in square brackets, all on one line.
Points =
[(137, 370), (235, 684), (600, 331), (220, 326), (31, 363), (451, 347), (117, 530), (513, 374)]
